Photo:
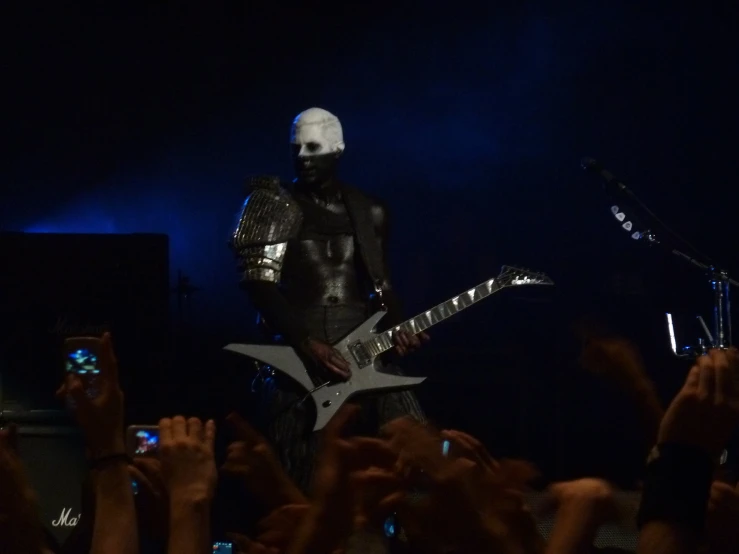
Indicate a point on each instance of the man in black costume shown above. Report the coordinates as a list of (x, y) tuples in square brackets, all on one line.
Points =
[(314, 263)]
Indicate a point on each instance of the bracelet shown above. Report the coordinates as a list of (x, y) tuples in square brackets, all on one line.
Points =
[(676, 487), (109, 459)]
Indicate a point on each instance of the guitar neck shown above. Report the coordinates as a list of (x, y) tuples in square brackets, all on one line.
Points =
[(383, 342)]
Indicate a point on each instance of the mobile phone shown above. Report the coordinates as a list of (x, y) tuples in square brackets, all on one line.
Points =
[(81, 357), (223, 547), (142, 440)]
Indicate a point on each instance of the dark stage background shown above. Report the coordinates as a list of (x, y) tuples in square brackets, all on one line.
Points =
[(469, 121)]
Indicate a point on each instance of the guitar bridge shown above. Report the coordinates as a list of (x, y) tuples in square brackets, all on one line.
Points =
[(360, 354)]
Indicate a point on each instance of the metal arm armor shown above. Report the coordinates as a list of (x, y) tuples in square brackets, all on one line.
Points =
[(269, 218)]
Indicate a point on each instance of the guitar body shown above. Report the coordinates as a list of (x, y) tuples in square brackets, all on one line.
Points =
[(365, 369)]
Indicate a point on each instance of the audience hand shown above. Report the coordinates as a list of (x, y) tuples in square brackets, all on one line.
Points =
[(345, 464), (467, 446), (100, 418), (472, 501), (503, 484), (706, 410), (460, 509), (252, 460), (186, 452), (592, 499), (277, 529), (721, 521), (620, 361), (344, 469), (582, 506)]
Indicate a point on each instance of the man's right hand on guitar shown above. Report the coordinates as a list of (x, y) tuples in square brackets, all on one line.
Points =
[(328, 357)]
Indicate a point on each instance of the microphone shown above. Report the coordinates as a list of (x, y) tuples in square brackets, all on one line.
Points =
[(589, 164)]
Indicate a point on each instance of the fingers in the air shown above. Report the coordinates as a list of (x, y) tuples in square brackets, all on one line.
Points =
[(165, 430), (707, 384), (108, 362), (195, 428), (210, 434), (179, 428)]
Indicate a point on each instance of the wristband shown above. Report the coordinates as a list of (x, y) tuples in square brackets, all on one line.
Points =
[(103, 461), (676, 486)]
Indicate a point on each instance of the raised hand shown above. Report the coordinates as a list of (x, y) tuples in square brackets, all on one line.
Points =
[(594, 498), (345, 468), (582, 506), (722, 532), (451, 513), (101, 418), (277, 529), (186, 452), (706, 410), (252, 460), (473, 501), (467, 446), (341, 458)]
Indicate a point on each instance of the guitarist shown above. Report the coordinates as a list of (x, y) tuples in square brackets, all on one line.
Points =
[(314, 263)]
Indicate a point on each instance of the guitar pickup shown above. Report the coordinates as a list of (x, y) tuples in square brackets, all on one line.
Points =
[(360, 354)]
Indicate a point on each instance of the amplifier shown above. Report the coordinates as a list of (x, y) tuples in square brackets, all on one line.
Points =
[(53, 286), (54, 459)]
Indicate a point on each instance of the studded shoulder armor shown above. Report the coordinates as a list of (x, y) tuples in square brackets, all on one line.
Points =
[(269, 218), (270, 215)]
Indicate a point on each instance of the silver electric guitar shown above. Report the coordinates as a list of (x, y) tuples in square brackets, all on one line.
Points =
[(363, 347)]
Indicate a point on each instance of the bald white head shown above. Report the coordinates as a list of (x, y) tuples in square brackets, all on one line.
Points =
[(316, 132)]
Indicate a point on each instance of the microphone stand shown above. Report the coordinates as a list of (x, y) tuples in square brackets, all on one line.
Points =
[(719, 279), (721, 285)]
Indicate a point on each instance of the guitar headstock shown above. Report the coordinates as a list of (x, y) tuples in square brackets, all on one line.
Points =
[(516, 276)]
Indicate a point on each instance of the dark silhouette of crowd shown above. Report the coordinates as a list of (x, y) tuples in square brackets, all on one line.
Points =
[(396, 492)]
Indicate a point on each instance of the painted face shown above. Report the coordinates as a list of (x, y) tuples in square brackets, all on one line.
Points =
[(317, 142)]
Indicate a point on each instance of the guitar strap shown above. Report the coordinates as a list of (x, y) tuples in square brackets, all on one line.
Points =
[(359, 208)]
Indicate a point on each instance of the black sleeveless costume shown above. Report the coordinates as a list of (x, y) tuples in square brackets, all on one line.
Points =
[(324, 292)]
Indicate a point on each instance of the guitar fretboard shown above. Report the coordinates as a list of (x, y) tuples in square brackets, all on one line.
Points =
[(383, 342)]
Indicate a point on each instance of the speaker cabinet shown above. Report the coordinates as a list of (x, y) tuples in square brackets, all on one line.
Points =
[(54, 458)]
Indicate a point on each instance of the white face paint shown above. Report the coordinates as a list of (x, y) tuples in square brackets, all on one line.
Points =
[(317, 133)]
